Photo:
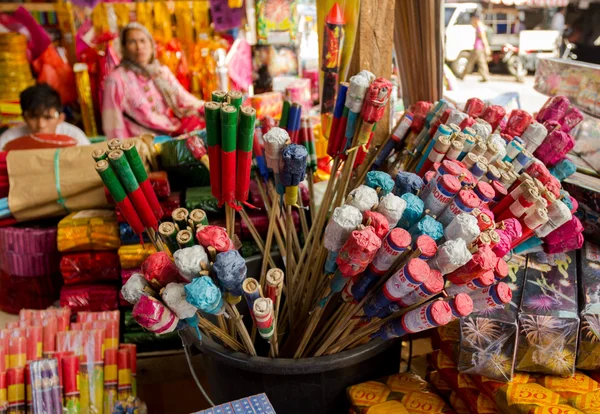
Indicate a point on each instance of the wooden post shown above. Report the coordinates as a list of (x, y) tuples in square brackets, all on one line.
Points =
[(373, 52)]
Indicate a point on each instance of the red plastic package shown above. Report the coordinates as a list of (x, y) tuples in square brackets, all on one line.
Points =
[(90, 267), (92, 298)]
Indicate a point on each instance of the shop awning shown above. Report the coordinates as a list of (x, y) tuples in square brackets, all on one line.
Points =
[(532, 3)]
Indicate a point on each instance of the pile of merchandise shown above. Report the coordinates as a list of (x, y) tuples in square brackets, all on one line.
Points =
[(51, 365)]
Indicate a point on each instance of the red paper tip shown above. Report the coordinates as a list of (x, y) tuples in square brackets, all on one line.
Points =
[(335, 15)]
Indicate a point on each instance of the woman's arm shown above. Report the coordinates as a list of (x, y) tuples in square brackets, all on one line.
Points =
[(113, 121), (185, 99)]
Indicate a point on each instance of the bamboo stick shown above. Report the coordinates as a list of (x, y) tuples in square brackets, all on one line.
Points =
[(241, 328)]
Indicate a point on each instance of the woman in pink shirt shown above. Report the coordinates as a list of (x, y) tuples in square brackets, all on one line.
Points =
[(480, 52), (142, 96)]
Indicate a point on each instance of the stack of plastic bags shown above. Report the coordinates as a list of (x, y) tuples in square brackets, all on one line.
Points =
[(28, 268), (90, 267)]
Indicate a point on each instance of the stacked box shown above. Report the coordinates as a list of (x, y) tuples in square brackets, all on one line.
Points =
[(488, 338), (548, 318), (588, 356)]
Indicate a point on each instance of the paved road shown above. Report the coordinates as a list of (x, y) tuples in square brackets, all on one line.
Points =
[(499, 84)]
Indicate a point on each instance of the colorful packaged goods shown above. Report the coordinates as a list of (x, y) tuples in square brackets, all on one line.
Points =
[(91, 298), (88, 230), (548, 318), (588, 356), (132, 256), (398, 393), (90, 267), (488, 339)]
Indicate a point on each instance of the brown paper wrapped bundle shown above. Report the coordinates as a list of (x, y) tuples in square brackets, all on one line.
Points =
[(33, 181)]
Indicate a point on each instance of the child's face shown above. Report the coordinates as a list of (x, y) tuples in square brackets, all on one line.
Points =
[(45, 123)]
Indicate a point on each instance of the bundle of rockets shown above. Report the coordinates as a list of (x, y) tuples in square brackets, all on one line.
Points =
[(410, 235), (50, 365)]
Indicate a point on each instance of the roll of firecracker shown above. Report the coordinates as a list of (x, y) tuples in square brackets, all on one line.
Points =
[(442, 194), (426, 161), (274, 284), (426, 245), (493, 296), (244, 153), (49, 330), (500, 193), (432, 286), (99, 154), (159, 270), (519, 207), (400, 284), (229, 122), (110, 379), (427, 316), (285, 113), (15, 386), (132, 348), (185, 239), (335, 141), (198, 218), (392, 246), (446, 167), (154, 316), (333, 44), (263, 316), (168, 232), (485, 280), (3, 391), (259, 161), (119, 163), (70, 373), (474, 107), (111, 332), (34, 337), (493, 114), (482, 261), (111, 181), (454, 151), (373, 109), (17, 352), (137, 166), (461, 305), (213, 137), (531, 222), (214, 236), (464, 202), (124, 374), (252, 292), (293, 170), (396, 139), (293, 124), (307, 138)]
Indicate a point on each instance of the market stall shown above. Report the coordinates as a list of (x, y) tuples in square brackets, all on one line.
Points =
[(298, 219)]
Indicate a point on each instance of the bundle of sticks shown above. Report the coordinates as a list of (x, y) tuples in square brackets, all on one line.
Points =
[(411, 242)]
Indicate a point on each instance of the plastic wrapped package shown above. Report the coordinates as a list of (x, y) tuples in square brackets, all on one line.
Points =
[(29, 264), (18, 293), (45, 388), (183, 168), (488, 338), (154, 316), (90, 267), (398, 393), (588, 356), (160, 183), (548, 318), (88, 230), (28, 240), (91, 298), (133, 255), (202, 198)]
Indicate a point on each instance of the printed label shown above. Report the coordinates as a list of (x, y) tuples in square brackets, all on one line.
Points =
[(399, 286), (530, 394), (436, 202), (385, 257), (414, 297), (556, 409), (369, 393), (422, 402), (16, 393), (587, 402), (388, 407), (416, 320), (578, 384), (453, 290), (406, 382)]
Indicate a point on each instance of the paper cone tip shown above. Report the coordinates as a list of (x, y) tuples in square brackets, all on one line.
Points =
[(335, 15)]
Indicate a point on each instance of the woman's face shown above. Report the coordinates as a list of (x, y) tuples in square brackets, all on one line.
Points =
[(138, 47)]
